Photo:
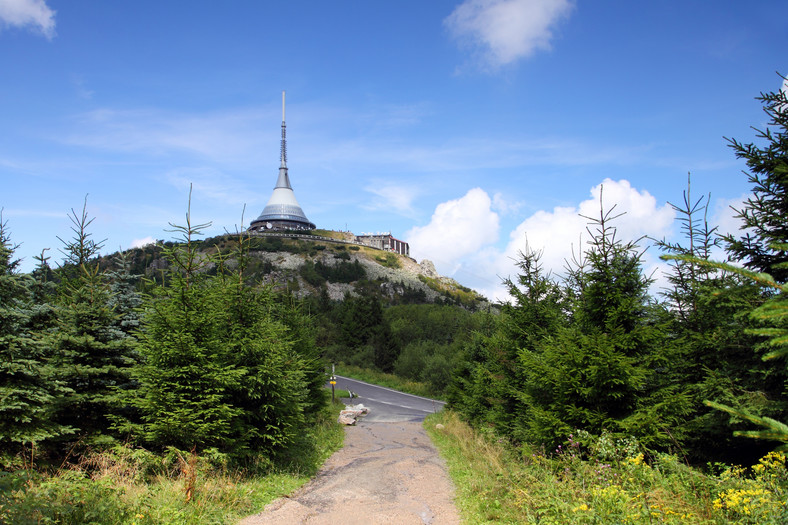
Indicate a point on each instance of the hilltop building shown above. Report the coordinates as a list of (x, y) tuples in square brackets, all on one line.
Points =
[(282, 211), (385, 241)]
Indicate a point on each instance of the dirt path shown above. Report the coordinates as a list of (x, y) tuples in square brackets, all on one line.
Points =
[(386, 473)]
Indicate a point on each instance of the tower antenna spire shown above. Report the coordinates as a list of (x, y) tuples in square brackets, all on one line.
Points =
[(283, 153), (282, 211)]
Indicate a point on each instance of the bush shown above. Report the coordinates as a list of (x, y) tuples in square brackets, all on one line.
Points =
[(310, 274), (70, 497)]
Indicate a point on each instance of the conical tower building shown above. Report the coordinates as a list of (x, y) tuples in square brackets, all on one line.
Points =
[(282, 211)]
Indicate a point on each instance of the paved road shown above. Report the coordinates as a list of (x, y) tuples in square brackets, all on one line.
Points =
[(388, 472), (387, 405)]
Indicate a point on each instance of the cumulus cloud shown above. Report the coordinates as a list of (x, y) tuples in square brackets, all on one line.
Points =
[(461, 236), (458, 228), (562, 230), (504, 31), (139, 243), (28, 13)]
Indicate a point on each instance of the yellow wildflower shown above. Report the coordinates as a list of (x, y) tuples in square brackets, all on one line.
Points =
[(637, 460)]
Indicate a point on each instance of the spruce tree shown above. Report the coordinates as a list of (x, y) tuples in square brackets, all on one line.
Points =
[(93, 356), (270, 341), (125, 300), (364, 327), (774, 315), (765, 215), (708, 327), (303, 335), (224, 363), (28, 387), (601, 370), (183, 381)]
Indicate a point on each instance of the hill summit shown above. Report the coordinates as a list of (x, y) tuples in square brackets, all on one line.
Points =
[(325, 262)]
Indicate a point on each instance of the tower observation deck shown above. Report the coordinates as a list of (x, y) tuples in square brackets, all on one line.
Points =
[(282, 211)]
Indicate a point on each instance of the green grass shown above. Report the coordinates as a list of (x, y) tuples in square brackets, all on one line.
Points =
[(126, 485), (387, 380), (457, 292), (605, 482)]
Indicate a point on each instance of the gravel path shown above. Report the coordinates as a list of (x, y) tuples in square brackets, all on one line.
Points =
[(386, 473)]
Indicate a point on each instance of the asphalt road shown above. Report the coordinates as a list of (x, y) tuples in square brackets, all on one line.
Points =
[(387, 405)]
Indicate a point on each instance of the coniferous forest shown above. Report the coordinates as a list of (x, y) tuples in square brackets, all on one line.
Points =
[(699, 371), (200, 357)]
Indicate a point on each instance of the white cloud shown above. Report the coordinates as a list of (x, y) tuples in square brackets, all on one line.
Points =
[(139, 243), (504, 31), (505, 206), (560, 231), (214, 186), (458, 228), (461, 235), (24, 13), (80, 87), (723, 214), (231, 136), (393, 198)]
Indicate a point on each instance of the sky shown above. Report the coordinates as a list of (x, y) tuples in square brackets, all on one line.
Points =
[(466, 128)]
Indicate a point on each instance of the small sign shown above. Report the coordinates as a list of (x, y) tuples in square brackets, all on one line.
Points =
[(333, 382)]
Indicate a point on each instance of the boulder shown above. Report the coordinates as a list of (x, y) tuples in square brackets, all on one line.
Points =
[(346, 419), (351, 414)]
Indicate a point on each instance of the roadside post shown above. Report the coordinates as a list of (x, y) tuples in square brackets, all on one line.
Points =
[(333, 383)]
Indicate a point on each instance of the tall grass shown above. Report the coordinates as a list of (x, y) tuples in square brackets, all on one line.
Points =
[(602, 481), (135, 486)]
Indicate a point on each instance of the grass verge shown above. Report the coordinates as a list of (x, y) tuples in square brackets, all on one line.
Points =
[(387, 380), (134, 486), (602, 481)]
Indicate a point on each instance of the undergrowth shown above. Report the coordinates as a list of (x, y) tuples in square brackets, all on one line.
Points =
[(602, 481), (135, 486)]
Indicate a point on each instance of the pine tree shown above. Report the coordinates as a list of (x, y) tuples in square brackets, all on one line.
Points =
[(765, 215)]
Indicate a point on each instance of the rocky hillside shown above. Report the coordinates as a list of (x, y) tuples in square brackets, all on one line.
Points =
[(327, 263)]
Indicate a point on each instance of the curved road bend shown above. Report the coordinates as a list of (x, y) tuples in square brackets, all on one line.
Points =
[(387, 405), (388, 472)]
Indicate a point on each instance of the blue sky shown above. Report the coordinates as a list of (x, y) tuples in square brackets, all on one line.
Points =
[(464, 128)]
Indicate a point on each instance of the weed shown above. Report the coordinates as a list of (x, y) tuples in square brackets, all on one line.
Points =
[(604, 480)]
